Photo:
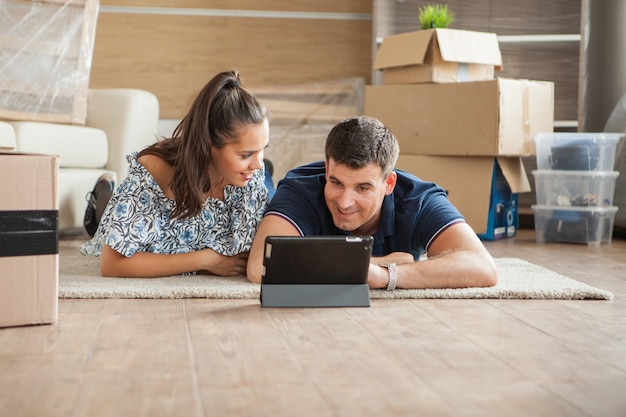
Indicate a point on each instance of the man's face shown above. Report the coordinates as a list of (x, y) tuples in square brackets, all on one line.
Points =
[(355, 196)]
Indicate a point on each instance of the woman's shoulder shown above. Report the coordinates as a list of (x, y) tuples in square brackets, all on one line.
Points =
[(151, 161), (160, 170)]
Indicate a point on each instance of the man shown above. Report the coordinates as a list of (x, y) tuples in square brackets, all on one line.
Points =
[(356, 191)]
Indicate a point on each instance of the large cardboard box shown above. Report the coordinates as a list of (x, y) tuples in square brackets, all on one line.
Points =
[(484, 189), (29, 260), (482, 118), (438, 55)]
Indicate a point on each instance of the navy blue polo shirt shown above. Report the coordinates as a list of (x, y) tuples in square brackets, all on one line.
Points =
[(412, 216)]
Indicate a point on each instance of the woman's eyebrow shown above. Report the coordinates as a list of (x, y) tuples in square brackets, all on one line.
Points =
[(255, 150)]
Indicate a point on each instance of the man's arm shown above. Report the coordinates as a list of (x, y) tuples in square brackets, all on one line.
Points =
[(271, 225), (456, 259)]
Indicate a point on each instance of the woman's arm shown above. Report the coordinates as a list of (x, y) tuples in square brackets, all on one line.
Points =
[(153, 265)]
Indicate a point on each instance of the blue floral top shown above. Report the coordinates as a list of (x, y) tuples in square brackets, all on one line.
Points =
[(137, 218)]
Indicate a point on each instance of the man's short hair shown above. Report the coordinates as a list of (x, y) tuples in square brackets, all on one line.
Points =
[(358, 141)]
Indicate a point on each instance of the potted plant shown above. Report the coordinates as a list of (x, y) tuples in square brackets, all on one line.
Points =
[(435, 16)]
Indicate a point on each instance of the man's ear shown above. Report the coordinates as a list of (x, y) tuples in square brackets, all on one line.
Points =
[(390, 182)]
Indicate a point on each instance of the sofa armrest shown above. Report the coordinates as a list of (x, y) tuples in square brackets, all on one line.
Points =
[(7, 137), (130, 119)]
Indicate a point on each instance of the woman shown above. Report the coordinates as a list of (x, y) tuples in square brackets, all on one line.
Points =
[(191, 203)]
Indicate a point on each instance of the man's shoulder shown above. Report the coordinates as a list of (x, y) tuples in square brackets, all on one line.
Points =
[(407, 176), (299, 198), (410, 184), (313, 169), (307, 178)]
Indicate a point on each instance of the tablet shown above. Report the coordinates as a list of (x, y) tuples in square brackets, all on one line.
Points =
[(316, 259)]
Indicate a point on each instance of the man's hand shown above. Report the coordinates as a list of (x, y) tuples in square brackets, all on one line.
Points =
[(378, 275), (394, 257)]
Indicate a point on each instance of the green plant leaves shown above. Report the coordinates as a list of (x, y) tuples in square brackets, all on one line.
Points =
[(435, 16)]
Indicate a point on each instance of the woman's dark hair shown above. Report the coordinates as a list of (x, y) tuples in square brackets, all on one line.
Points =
[(215, 119), (358, 141)]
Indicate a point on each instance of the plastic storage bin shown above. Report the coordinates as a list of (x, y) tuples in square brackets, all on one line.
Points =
[(586, 225), (575, 188), (576, 151)]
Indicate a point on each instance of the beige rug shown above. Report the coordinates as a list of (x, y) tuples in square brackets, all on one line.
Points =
[(79, 277)]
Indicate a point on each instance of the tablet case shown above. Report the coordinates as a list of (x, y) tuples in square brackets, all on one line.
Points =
[(316, 271)]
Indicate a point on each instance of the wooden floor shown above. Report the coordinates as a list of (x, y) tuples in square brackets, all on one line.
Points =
[(397, 358)]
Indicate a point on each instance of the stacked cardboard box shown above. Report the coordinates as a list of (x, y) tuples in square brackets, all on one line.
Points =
[(29, 260), (459, 126)]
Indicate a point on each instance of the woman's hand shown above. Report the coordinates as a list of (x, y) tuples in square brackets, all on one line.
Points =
[(216, 264)]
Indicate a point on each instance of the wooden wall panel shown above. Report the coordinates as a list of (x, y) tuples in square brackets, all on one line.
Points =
[(174, 55), (552, 61), (326, 6)]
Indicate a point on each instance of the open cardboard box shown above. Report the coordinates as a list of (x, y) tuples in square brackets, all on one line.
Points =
[(482, 118), (484, 189), (438, 55), (29, 259)]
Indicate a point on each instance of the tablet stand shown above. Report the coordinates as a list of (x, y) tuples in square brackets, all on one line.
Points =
[(315, 295)]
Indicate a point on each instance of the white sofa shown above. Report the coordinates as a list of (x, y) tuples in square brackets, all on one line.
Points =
[(119, 121)]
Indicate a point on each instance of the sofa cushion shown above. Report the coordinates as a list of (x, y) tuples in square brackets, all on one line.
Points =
[(7, 137), (77, 146)]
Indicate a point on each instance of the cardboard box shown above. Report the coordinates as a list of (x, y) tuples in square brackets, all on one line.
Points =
[(484, 189), (482, 118), (438, 55), (29, 260)]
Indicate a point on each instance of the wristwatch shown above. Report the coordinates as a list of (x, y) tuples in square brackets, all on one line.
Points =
[(393, 275)]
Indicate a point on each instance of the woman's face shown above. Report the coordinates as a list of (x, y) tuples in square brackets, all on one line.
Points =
[(235, 163)]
